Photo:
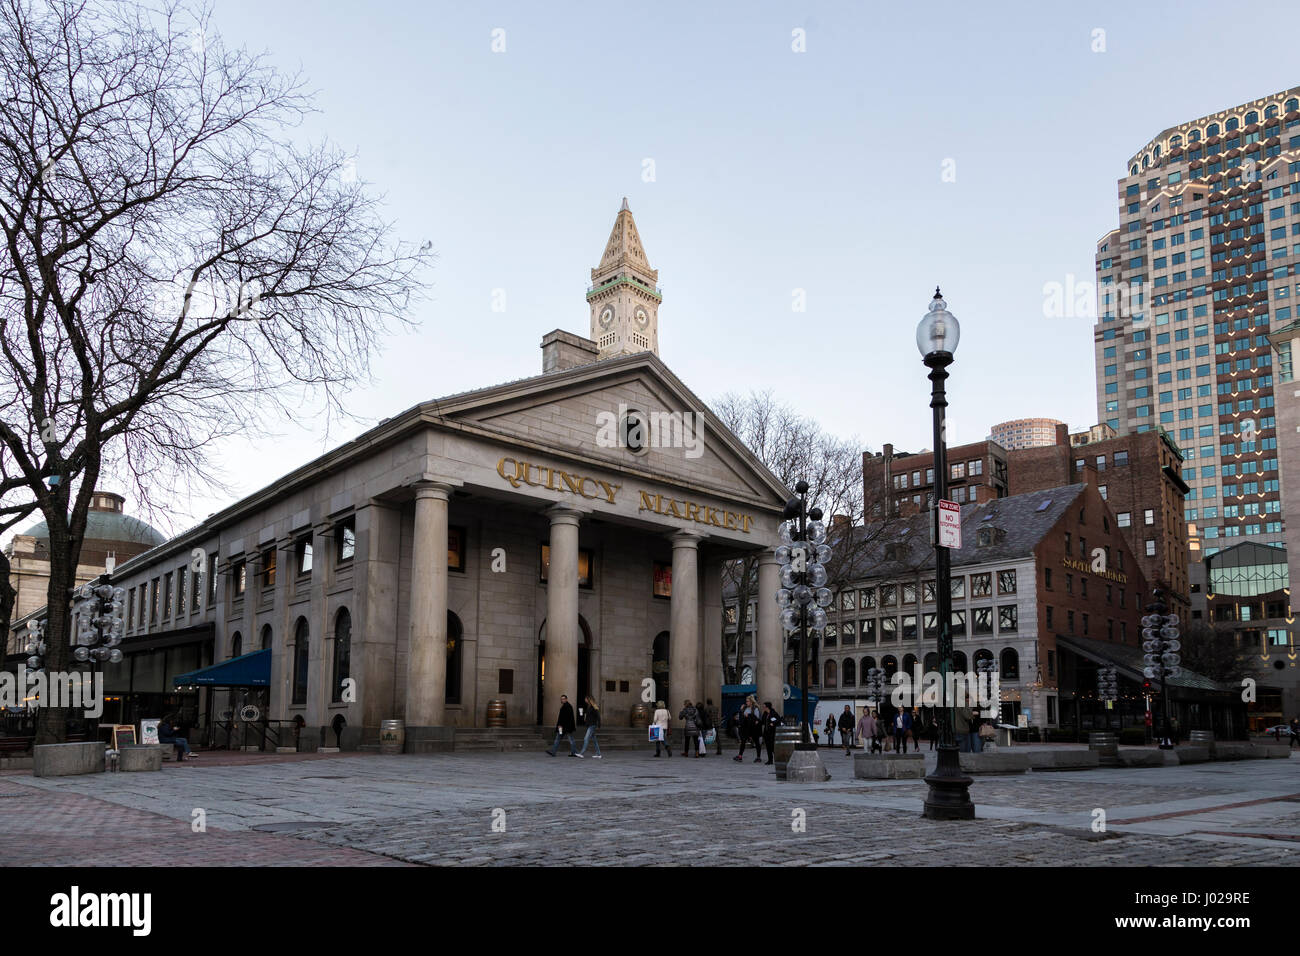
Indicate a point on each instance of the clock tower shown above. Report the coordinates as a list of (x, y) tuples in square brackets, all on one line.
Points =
[(624, 296)]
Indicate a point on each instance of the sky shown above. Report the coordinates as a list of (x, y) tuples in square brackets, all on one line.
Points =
[(847, 155)]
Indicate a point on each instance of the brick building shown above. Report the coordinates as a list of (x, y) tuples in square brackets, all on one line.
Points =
[(976, 473), (1140, 477)]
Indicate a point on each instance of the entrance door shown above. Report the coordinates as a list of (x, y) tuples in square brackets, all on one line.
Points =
[(659, 667), (584, 673)]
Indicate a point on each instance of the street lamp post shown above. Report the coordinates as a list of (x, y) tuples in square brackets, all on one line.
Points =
[(803, 556), (936, 338), (1160, 645)]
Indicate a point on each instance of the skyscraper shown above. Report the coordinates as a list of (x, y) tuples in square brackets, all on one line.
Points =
[(1204, 258)]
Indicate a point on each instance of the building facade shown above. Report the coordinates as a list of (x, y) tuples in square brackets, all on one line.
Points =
[(1025, 433), (510, 544), (976, 473), (1201, 266)]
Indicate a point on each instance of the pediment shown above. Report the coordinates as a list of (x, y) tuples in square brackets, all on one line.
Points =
[(574, 413)]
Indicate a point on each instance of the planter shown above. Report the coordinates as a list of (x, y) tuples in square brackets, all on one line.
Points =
[(66, 760)]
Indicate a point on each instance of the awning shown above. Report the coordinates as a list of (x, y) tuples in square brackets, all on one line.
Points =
[(248, 670), (1127, 660)]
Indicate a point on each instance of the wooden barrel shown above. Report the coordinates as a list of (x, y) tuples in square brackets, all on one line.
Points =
[(1202, 738), (392, 736), (640, 716), (786, 737), (496, 713)]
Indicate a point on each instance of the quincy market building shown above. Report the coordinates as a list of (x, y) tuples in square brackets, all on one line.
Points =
[(494, 545)]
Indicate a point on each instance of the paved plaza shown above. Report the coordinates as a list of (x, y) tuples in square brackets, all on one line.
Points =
[(633, 809)]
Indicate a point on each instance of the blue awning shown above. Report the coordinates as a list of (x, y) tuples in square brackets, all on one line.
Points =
[(248, 670)]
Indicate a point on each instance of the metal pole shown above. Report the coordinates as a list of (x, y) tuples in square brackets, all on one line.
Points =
[(949, 796), (804, 735)]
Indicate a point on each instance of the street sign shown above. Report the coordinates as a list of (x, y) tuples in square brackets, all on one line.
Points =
[(949, 513)]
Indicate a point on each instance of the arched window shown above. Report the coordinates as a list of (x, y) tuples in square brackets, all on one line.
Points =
[(1252, 117), (1270, 111), (829, 671), (342, 652), (850, 674), (1212, 129), (1292, 105), (959, 661), (867, 664), (747, 675), (266, 637), (1230, 125), (909, 664), (1010, 664), (890, 666), (1134, 170), (300, 636), (983, 654), (236, 644), (1194, 136), (455, 654), (1146, 161), (931, 661), (1155, 153)]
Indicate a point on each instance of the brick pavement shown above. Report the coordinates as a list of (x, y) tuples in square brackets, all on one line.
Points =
[(632, 809)]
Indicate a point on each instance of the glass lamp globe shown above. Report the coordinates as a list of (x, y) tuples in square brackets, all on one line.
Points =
[(789, 619), (783, 598), (81, 654), (783, 554), (803, 595), (115, 656), (33, 663), (816, 532), (816, 575), (818, 618), (785, 532), (939, 330), (823, 553), (824, 597), (788, 577)]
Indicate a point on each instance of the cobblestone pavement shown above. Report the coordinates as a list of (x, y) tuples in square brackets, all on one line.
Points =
[(631, 808)]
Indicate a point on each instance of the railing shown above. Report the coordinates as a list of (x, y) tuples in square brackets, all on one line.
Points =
[(240, 734)]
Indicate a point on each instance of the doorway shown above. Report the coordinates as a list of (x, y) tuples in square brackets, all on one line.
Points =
[(584, 671), (659, 666)]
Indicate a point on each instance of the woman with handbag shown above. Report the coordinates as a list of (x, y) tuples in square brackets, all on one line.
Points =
[(660, 723)]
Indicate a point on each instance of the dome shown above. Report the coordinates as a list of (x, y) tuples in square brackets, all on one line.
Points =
[(105, 522)]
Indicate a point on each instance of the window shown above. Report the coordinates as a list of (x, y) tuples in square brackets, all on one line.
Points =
[(1007, 616), (268, 568), (1047, 578), (888, 595), (867, 598), (342, 652), (167, 596), (196, 589), (1149, 516), (239, 575), (1006, 582), (909, 627), (456, 549), (983, 617), (300, 661), (212, 579), (302, 556), (180, 590), (958, 623), (847, 602), (1010, 664), (1120, 459), (959, 470), (345, 534), (1124, 518), (585, 563), (1151, 547), (981, 585)]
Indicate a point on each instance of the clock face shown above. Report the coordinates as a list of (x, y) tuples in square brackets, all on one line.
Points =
[(641, 318), (606, 317)]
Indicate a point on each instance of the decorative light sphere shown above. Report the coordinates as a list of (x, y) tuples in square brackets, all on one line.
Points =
[(939, 330), (818, 618), (785, 533), (783, 598), (790, 619), (1168, 632), (803, 595), (788, 577), (33, 663), (816, 532), (783, 554), (823, 553), (115, 656), (81, 654), (816, 575), (824, 597)]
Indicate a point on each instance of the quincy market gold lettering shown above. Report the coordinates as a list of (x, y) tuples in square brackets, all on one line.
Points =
[(553, 479), (690, 511)]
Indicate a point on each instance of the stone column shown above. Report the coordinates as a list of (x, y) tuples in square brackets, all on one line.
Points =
[(771, 652), (426, 659), (684, 636), (562, 630), (711, 671)]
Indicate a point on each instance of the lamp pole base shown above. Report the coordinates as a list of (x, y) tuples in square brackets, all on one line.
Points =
[(949, 797)]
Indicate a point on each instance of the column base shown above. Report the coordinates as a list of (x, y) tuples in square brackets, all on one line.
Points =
[(427, 740), (949, 797)]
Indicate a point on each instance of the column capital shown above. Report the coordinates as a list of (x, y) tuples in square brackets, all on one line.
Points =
[(766, 556), (438, 490), (564, 514), (685, 539)]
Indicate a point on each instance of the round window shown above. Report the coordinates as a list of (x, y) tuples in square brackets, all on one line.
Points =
[(633, 432)]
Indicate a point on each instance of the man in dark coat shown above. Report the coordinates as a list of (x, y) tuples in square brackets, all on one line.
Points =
[(846, 729), (771, 721), (564, 727)]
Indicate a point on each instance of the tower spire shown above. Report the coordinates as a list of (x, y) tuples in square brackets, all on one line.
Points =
[(624, 295)]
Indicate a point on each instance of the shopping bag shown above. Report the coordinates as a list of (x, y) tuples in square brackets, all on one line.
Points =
[(700, 742), (656, 732), (710, 737)]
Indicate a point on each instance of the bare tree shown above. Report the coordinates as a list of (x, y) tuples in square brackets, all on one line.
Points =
[(1212, 653), (176, 268), (794, 447)]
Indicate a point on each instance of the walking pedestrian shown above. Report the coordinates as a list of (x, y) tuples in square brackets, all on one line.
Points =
[(591, 717), (830, 730), (660, 721), (750, 729), (564, 727), (867, 730), (902, 727), (703, 721), (771, 721), (1295, 731), (690, 727), (846, 729), (715, 718), (932, 730)]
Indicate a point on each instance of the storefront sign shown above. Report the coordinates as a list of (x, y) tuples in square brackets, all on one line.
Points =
[(1074, 564), (690, 511), (539, 476)]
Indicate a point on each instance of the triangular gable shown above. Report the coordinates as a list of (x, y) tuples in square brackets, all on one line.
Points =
[(575, 412)]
